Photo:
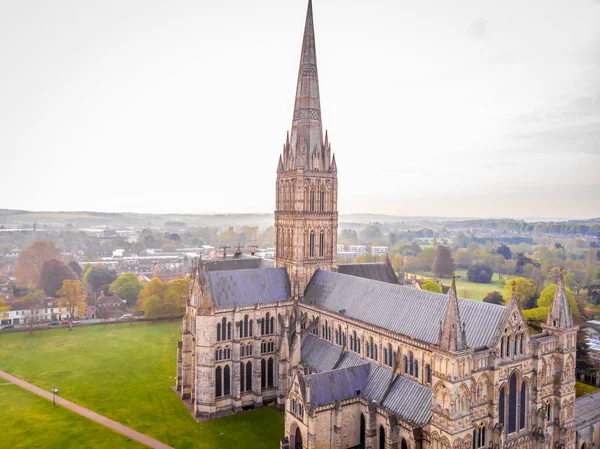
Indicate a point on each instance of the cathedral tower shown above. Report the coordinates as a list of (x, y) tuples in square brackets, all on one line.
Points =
[(306, 216)]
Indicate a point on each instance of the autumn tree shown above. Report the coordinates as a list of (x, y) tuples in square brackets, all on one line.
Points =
[(54, 273), (72, 298), (154, 287), (29, 264), (431, 286), (525, 290), (127, 287), (34, 296), (153, 306), (505, 252), (107, 313), (4, 309), (443, 264)]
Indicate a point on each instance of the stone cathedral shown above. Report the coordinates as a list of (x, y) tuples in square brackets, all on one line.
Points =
[(353, 358)]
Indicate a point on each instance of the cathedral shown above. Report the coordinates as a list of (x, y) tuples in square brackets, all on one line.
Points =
[(349, 354)]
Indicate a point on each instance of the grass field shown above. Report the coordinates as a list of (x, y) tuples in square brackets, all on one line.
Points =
[(30, 422), (477, 291), (582, 389), (126, 373)]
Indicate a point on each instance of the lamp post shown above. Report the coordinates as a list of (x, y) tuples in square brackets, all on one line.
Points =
[(54, 393)]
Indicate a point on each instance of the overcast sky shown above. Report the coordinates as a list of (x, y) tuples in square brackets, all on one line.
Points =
[(463, 108)]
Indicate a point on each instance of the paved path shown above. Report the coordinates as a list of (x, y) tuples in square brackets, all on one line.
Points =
[(117, 427)]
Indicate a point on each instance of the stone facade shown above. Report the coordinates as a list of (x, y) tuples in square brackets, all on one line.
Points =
[(344, 373)]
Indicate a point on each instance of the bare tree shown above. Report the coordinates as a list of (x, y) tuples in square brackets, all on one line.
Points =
[(107, 313), (31, 318)]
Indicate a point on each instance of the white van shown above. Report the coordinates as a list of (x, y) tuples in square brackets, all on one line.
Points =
[(127, 316)]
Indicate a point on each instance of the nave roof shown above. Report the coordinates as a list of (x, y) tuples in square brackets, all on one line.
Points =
[(378, 271), (402, 309)]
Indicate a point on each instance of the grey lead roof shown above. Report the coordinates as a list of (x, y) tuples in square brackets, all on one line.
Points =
[(587, 409), (345, 375), (378, 271), (246, 287), (239, 263), (405, 310)]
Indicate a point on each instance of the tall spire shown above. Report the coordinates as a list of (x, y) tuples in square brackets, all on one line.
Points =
[(306, 142), (560, 314), (452, 336)]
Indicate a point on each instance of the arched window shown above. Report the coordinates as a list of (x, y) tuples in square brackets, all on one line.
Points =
[(508, 346), (272, 325), (223, 329), (242, 377), (512, 404), (385, 357), (226, 381), (251, 330), (501, 411), (375, 353), (405, 365), (263, 373), (219, 332), (321, 244), (312, 200), (363, 430), (381, 437), (246, 326), (218, 381), (358, 345), (404, 445), (428, 373), (250, 349), (249, 376), (270, 372), (311, 244), (242, 351), (416, 368), (502, 347), (410, 362), (482, 436), (521, 349), (228, 331), (322, 201), (220, 354), (262, 327), (216, 354), (523, 406), (267, 323)]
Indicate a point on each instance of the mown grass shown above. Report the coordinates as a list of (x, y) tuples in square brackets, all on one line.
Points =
[(126, 373), (29, 421), (476, 290), (582, 389)]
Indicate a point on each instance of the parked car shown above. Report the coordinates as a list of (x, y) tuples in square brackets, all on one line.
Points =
[(53, 323), (64, 322), (76, 321), (7, 326), (127, 316)]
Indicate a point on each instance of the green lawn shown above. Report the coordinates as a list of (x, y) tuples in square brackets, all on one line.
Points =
[(29, 421), (126, 373), (582, 389), (477, 291)]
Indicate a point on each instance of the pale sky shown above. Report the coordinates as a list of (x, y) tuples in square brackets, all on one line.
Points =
[(436, 108)]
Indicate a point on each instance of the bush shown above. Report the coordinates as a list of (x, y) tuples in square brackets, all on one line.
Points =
[(480, 272), (494, 297)]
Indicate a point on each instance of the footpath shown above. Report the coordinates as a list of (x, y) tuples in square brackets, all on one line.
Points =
[(117, 427)]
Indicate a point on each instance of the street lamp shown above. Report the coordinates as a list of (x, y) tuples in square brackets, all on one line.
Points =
[(54, 393)]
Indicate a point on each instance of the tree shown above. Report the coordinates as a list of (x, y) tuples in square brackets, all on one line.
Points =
[(535, 318), (4, 309), (34, 296), (76, 268), (583, 363), (54, 273), (152, 306), (505, 252), (31, 317), (431, 286), (464, 293), (98, 276), (72, 298), (594, 292), (397, 262), (153, 288), (364, 258), (127, 287), (370, 233), (138, 247), (107, 313), (494, 297), (443, 264), (29, 264), (525, 290), (480, 272), (547, 297), (392, 239)]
